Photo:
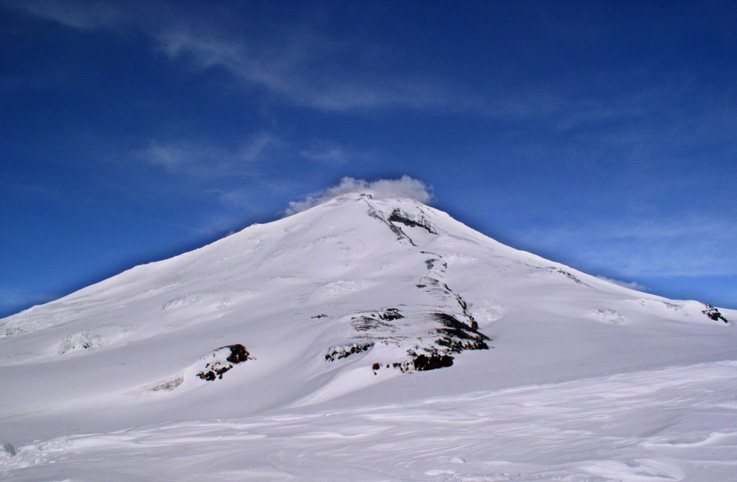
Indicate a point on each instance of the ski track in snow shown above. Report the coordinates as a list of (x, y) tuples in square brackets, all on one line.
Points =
[(664, 425)]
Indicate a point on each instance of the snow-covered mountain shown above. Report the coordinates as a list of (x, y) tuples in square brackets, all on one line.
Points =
[(359, 303)]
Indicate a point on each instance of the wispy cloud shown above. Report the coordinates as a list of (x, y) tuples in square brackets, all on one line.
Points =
[(299, 62), (78, 14), (331, 154), (298, 67), (295, 63), (205, 159), (382, 188), (686, 245)]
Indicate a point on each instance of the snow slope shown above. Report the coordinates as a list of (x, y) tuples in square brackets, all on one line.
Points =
[(376, 336)]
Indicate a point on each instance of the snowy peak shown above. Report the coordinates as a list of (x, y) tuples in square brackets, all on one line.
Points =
[(360, 294)]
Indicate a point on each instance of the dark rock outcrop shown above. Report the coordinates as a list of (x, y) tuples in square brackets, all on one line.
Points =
[(398, 216), (714, 313), (339, 352), (222, 360)]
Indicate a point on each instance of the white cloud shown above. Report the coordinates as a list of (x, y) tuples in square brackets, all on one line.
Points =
[(382, 189), (296, 62), (299, 67), (77, 14), (330, 154), (206, 160)]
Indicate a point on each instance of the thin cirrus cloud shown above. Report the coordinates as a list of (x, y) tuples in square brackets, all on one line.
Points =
[(72, 13), (294, 62), (680, 246), (206, 159), (332, 154), (296, 66)]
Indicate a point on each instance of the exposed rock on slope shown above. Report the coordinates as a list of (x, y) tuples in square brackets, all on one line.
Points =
[(222, 360)]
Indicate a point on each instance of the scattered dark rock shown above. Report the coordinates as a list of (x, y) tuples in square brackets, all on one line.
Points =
[(464, 306), (458, 336), (398, 216), (166, 385), (432, 362), (8, 449), (238, 354), (395, 229), (366, 323), (222, 360), (714, 313), (339, 352), (377, 322), (319, 316), (390, 314), (567, 275)]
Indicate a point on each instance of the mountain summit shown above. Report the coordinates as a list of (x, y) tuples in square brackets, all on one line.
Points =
[(359, 298)]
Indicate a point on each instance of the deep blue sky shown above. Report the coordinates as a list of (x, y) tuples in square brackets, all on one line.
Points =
[(599, 134)]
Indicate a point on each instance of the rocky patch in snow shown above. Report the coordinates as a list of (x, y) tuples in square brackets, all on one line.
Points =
[(433, 346), (377, 326), (401, 235), (222, 360), (432, 361), (399, 216), (8, 449), (457, 336), (568, 275), (80, 341), (344, 351), (165, 385), (714, 313)]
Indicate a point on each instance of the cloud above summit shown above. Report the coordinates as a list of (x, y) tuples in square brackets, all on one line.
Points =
[(381, 188)]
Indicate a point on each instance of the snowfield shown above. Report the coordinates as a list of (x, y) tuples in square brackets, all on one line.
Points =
[(655, 425), (367, 339)]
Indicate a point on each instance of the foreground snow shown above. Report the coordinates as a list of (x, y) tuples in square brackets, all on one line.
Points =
[(662, 425)]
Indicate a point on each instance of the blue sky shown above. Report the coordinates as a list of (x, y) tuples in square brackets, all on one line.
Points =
[(598, 134)]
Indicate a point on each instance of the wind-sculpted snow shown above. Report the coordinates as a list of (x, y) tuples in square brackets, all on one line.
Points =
[(380, 338), (654, 425), (28, 321)]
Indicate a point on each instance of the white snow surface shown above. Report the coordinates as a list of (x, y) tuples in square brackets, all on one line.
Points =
[(583, 380)]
